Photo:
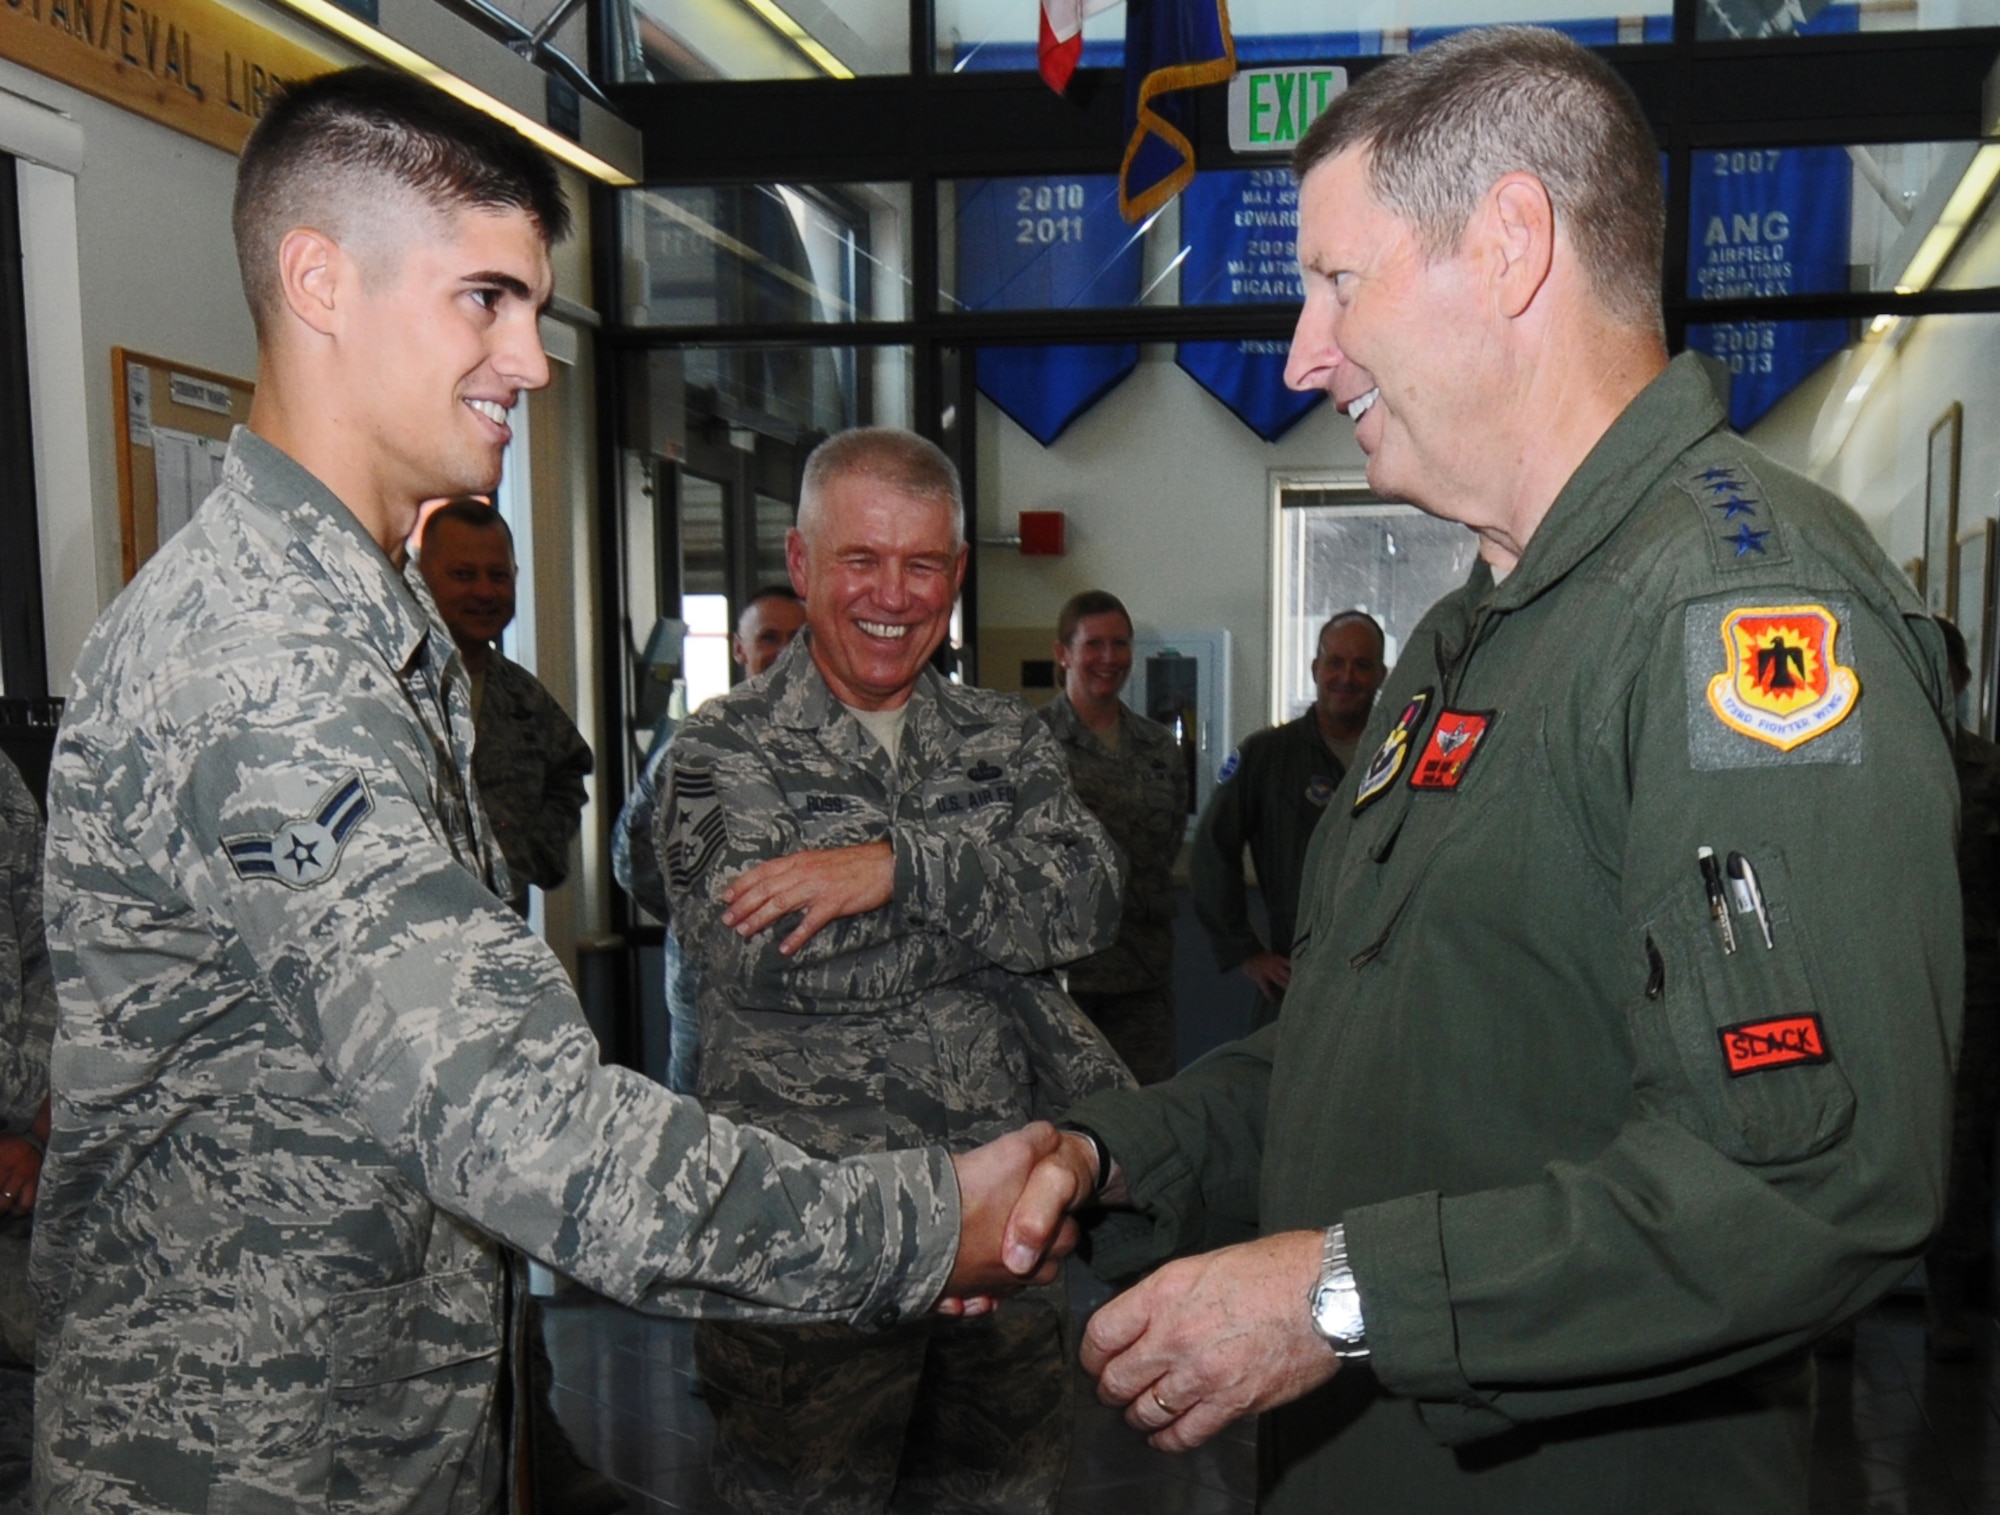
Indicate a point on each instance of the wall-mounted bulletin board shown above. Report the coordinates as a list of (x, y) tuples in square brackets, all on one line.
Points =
[(171, 443)]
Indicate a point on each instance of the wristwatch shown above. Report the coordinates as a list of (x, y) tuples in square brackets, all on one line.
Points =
[(1335, 1301)]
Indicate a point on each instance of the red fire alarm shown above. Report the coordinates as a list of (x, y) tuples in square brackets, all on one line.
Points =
[(1041, 533)]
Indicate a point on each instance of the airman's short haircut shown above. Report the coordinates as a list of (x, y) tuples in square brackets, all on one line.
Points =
[(1341, 618), (902, 460), (358, 153), (1441, 125), (473, 512)]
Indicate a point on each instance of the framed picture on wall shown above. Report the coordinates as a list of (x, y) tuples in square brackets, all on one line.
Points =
[(1941, 513), (1975, 618)]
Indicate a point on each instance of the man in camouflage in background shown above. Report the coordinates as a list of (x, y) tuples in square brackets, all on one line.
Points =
[(874, 872), (766, 627), (27, 1022), (311, 1077), (528, 758)]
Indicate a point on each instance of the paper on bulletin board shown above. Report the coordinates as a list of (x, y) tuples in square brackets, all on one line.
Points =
[(186, 468)]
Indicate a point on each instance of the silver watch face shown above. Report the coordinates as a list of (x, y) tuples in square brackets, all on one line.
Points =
[(1336, 1313)]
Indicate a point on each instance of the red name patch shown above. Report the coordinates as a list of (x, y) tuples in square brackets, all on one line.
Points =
[(1754, 1046), (1454, 743)]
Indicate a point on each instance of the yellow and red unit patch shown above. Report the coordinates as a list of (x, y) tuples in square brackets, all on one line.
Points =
[(1454, 743), (1781, 684), (1753, 1046)]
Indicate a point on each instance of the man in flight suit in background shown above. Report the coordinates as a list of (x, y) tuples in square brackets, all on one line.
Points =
[(875, 873), (1616, 1062), (311, 1078), (1269, 796), (528, 758)]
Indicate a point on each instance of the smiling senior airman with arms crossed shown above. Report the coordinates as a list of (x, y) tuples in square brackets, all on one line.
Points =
[(1568, 1141)]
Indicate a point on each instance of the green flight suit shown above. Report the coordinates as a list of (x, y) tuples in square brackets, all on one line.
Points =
[(1603, 1181)]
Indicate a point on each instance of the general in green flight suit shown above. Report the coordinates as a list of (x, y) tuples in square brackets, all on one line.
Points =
[(1616, 1064)]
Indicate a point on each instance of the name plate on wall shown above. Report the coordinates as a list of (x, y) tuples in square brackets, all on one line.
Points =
[(193, 65)]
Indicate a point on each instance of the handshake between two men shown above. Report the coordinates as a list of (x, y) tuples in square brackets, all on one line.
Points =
[(1193, 1346)]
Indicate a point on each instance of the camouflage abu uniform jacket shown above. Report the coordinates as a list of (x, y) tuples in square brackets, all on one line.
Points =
[(530, 762), (1140, 793), (308, 1068), (933, 1018), (27, 992)]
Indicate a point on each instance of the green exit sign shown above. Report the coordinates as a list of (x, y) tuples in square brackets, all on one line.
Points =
[(1270, 108)]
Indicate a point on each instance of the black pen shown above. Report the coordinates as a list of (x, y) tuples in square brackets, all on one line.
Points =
[(1750, 895), (1718, 903)]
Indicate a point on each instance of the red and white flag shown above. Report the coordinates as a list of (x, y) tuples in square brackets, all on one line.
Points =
[(1061, 42)]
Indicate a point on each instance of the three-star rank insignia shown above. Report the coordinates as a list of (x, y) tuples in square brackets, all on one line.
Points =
[(1455, 742), (1392, 754), (307, 849), (1781, 683)]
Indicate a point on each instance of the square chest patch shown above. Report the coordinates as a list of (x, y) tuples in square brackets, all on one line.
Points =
[(1455, 742), (1766, 686)]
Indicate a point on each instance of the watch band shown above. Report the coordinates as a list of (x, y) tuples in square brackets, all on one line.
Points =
[(1103, 1155)]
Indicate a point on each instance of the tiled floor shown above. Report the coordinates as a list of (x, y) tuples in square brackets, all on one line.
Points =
[(1898, 1434)]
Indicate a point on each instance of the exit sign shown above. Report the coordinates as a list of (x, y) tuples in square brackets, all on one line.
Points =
[(1270, 108)]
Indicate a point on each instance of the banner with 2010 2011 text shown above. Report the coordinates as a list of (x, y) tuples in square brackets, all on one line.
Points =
[(1768, 221), (1240, 228), (1047, 244)]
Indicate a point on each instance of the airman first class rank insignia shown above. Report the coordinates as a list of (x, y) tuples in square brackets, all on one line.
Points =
[(1392, 754), (303, 851), (1780, 683)]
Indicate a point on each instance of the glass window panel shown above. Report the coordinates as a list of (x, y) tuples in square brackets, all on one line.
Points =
[(758, 254), (1805, 220), (769, 39), (705, 653), (1730, 20), (1341, 548), (994, 35), (704, 552), (1051, 242), (774, 520)]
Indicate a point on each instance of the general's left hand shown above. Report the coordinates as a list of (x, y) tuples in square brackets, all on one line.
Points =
[(826, 884), (1208, 1339)]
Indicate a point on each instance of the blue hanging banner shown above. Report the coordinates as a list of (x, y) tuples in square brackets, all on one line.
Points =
[(1047, 244), (1768, 221), (1240, 228)]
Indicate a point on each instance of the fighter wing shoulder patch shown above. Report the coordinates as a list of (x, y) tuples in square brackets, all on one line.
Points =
[(696, 826), (1765, 686), (307, 848)]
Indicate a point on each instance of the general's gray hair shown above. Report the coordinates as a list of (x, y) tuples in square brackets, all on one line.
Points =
[(1441, 125), (902, 460)]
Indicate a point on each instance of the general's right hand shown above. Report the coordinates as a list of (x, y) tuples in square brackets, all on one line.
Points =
[(1271, 972), (997, 1256)]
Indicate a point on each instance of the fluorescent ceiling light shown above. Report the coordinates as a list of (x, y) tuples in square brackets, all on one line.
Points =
[(781, 21), (352, 28), (1943, 238)]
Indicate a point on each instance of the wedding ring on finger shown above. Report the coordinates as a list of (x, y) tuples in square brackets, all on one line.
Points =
[(1170, 1412)]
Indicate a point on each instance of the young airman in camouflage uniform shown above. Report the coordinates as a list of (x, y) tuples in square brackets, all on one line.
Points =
[(874, 871), (1132, 776), (310, 1075)]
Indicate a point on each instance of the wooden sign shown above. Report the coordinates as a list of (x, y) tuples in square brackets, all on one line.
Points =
[(193, 65)]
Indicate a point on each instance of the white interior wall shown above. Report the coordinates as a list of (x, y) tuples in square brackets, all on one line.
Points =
[(1168, 499), (157, 273)]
